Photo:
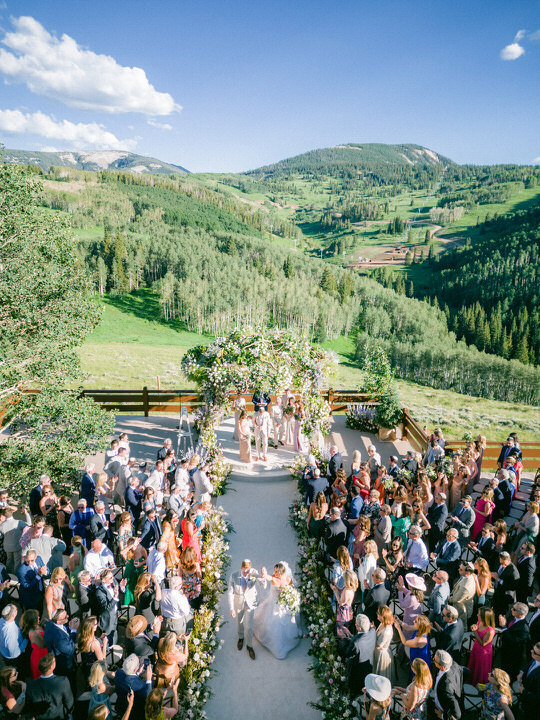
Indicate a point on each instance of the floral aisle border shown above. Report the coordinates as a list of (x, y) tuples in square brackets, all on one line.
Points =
[(319, 617), (194, 690)]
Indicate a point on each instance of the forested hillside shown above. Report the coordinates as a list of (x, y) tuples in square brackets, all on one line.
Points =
[(218, 252)]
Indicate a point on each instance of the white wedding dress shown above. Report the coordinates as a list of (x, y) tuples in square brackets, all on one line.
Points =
[(273, 625)]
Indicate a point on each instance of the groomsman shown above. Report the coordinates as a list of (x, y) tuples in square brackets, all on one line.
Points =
[(261, 424), (276, 415), (260, 399)]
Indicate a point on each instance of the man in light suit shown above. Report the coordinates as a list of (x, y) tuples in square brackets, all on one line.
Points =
[(262, 426), (463, 519), (202, 487), (462, 597), (242, 595), (12, 529), (276, 415), (438, 598)]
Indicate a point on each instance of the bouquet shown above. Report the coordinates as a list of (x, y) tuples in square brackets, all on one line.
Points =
[(289, 599), (388, 482)]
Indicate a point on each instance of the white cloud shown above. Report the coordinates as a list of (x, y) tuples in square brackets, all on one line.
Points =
[(63, 70), (520, 35), (535, 35), (161, 126), (75, 135), (536, 161), (512, 51)]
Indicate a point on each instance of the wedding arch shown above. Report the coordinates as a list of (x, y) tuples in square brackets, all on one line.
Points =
[(269, 360)]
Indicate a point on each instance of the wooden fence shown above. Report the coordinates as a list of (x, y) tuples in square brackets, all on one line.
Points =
[(147, 401), (530, 450)]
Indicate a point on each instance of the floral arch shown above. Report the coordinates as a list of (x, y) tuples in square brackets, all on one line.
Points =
[(269, 360)]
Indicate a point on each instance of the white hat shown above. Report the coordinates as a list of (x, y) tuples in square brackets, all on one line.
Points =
[(415, 582), (378, 687)]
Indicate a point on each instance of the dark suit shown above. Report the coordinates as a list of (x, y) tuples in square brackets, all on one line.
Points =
[(514, 647), (449, 559), (534, 629), (30, 586), (335, 462), (99, 530), (142, 646), (49, 698), (506, 488), (505, 591), (123, 684), (85, 599), (150, 533), (530, 697), (59, 641), (505, 451), (88, 489), (315, 486), (373, 599), (34, 500), (448, 692), (498, 499), (260, 399), (486, 550), (393, 471), (450, 639), (335, 536), (436, 516), (105, 609), (133, 501), (526, 569)]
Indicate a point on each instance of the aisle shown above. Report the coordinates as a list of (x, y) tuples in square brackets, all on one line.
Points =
[(246, 689)]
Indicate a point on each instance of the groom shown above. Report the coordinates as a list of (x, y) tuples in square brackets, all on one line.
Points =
[(243, 599)]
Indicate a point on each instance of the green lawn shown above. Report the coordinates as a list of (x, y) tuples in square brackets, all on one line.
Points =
[(132, 347)]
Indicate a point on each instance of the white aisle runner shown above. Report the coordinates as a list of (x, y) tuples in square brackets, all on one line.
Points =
[(246, 689)]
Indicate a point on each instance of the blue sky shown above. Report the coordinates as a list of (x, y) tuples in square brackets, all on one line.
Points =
[(260, 81)]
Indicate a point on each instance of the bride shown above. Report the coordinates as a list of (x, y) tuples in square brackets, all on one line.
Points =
[(274, 625)]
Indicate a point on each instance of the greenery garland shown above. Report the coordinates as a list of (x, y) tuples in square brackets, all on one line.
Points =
[(328, 667), (194, 690)]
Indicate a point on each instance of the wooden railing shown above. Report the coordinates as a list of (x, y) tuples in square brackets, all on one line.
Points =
[(147, 401), (414, 433)]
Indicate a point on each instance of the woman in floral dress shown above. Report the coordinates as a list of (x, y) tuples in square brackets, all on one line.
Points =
[(497, 697), (415, 695)]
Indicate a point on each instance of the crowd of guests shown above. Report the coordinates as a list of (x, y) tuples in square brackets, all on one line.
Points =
[(433, 580), (98, 593)]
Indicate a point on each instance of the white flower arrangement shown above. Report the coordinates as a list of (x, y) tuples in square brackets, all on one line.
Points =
[(289, 599)]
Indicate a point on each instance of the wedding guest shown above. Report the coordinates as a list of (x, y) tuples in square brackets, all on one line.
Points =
[(416, 693), (483, 511), (80, 520), (336, 533), (175, 607), (190, 535), (448, 553), (482, 580), (418, 644), (59, 640), (529, 684), (32, 630), (382, 657), (506, 579), (11, 530), (527, 528), (481, 658), (88, 485), (463, 592), (438, 598), (155, 709), (316, 516), (98, 558), (172, 654), (410, 599), (12, 692), (133, 677), (151, 530), (49, 696), (335, 462), (514, 640), (90, 647), (463, 519), (35, 495), (344, 601), (12, 642), (448, 686), (156, 562), (393, 558), (147, 597), (401, 524), (359, 654), (191, 574), (377, 697), (382, 533), (30, 576), (377, 596), (367, 564), (138, 640), (449, 635), (106, 600), (497, 697), (100, 692), (526, 566), (54, 593), (416, 555)]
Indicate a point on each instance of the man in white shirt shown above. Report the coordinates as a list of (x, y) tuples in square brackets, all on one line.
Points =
[(202, 487), (113, 467), (155, 481), (416, 554), (182, 481), (156, 562), (175, 607), (98, 558)]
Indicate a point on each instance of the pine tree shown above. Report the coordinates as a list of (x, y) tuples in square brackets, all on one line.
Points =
[(328, 281), (288, 267), (319, 331), (431, 253), (427, 238), (409, 258), (521, 352)]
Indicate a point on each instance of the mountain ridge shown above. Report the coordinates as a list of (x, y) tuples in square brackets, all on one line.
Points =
[(93, 161)]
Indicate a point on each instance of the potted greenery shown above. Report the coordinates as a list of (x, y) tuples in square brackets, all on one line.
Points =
[(389, 414)]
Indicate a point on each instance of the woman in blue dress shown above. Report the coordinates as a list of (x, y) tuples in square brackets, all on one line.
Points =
[(418, 645)]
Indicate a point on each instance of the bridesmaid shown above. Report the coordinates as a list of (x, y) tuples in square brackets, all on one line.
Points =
[(239, 405), (300, 440), (244, 434), (483, 511), (481, 658), (288, 422)]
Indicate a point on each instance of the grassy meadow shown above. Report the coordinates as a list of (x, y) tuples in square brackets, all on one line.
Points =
[(132, 347)]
